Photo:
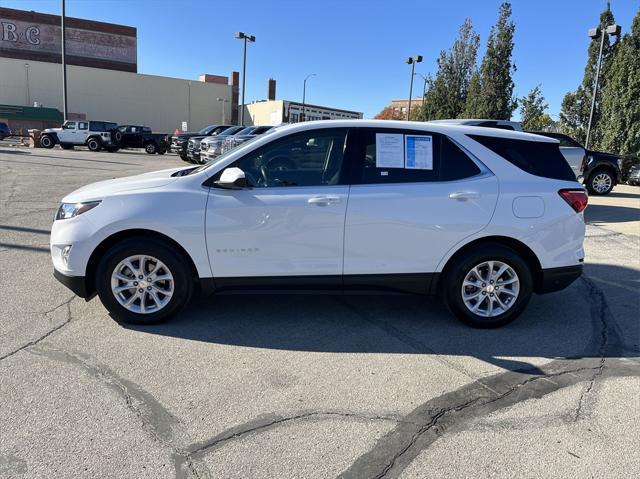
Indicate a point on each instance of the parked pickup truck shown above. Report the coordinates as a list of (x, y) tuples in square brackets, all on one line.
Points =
[(179, 142), (95, 135), (136, 136)]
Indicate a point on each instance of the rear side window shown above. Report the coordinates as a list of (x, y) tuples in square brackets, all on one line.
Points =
[(535, 157), (96, 126), (449, 161)]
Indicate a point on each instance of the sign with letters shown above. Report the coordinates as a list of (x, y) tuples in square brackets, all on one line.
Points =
[(37, 36)]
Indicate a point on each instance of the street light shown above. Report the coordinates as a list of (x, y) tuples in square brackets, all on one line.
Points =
[(412, 61), (223, 102), (594, 33), (304, 95), (246, 38)]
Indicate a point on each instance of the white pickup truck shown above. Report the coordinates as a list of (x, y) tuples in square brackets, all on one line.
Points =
[(95, 135)]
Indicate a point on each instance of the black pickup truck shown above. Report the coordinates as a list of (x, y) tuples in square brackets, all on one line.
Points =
[(136, 136)]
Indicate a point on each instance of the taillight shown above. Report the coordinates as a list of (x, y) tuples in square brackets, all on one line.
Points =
[(577, 199)]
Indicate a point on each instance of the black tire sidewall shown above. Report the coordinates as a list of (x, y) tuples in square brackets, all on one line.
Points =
[(177, 264), (90, 141), (152, 147), (47, 137), (454, 277)]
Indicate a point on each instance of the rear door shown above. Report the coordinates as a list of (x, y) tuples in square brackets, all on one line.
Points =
[(573, 152), (407, 210)]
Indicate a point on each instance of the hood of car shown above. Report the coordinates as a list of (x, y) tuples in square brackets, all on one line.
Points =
[(603, 155), (103, 189)]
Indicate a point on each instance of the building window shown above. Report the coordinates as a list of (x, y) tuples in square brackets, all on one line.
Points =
[(293, 118)]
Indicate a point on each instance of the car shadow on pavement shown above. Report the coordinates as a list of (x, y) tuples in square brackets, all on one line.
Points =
[(611, 214), (567, 324)]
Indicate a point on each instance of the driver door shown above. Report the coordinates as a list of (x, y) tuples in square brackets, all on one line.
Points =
[(290, 223)]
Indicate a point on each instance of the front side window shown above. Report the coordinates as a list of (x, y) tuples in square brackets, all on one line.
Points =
[(69, 125), (310, 158)]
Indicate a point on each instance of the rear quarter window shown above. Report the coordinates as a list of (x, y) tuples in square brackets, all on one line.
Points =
[(535, 157)]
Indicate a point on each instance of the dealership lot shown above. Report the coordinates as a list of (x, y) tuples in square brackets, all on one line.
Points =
[(309, 386)]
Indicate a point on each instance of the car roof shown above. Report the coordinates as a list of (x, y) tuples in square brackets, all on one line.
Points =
[(432, 126)]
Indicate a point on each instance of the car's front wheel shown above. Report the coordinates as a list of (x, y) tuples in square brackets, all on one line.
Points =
[(488, 287), (46, 141), (144, 281), (151, 148), (601, 182)]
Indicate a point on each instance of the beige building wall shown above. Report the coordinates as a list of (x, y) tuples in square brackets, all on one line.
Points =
[(161, 103), (264, 113)]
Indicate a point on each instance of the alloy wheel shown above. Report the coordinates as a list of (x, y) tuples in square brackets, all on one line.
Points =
[(142, 284), (490, 288), (601, 183)]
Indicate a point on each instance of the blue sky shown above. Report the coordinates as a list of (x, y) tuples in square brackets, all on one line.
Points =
[(355, 47)]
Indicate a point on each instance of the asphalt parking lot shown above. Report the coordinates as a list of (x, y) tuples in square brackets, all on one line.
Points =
[(299, 386)]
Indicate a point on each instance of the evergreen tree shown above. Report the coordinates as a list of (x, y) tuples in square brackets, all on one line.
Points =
[(576, 106), (619, 122), (532, 111), (493, 97), (447, 92)]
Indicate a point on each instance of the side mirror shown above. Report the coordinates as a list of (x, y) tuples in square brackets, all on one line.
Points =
[(232, 179)]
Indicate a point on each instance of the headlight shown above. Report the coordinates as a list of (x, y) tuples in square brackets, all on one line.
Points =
[(71, 210)]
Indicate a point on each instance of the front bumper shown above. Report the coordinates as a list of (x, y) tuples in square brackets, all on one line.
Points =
[(556, 279), (77, 284), (178, 149)]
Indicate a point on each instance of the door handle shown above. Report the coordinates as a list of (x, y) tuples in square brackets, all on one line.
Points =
[(464, 195), (323, 200)]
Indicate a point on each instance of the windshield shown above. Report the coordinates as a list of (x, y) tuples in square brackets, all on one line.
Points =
[(246, 131), (207, 129), (231, 131)]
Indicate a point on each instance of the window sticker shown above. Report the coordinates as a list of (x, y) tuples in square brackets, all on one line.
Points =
[(418, 152), (389, 150)]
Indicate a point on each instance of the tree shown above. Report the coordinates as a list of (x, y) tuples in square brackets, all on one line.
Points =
[(619, 122), (576, 105), (532, 111), (447, 92), (493, 90), (388, 113)]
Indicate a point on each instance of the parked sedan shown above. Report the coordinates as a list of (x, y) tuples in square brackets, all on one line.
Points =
[(464, 212), (599, 171)]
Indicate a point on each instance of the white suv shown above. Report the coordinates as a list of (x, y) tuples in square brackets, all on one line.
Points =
[(95, 135), (481, 216)]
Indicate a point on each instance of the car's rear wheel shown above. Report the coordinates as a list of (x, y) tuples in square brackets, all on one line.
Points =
[(144, 281), (488, 287), (46, 141), (150, 148), (94, 144), (600, 182)]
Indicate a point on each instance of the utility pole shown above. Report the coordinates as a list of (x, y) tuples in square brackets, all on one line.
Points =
[(65, 111)]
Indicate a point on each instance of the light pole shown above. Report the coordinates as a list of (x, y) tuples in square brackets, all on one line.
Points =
[(64, 65), (412, 61), (223, 108), (304, 95), (594, 33), (424, 89), (246, 38)]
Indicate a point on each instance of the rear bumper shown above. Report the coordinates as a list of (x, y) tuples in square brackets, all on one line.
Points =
[(77, 284), (555, 279)]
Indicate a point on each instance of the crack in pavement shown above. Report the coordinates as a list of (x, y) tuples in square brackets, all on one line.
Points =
[(34, 342), (455, 410)]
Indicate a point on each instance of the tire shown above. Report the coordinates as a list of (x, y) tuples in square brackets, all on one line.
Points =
[(185, 158), (94, 144), (600, 182), (66, 146), (150, 148), (173, 264), (510, 301), (116, 136), (162, 151), (47, 141)]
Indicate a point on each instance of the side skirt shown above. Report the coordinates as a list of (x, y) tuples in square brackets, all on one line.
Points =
[(409, 283)]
